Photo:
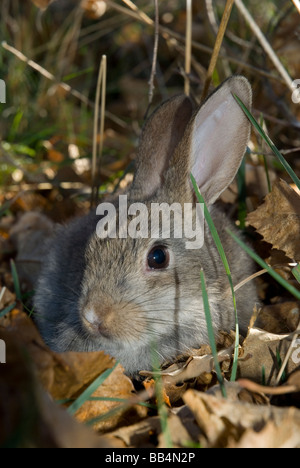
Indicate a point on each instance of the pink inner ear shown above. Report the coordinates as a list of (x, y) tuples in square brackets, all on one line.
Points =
[(208, 133), (219, 138)]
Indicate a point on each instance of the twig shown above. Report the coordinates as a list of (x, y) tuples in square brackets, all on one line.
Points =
[(139, 12), (256, 388), (67, 88), (100, 92), (154, 59), (2, 293), (260, 273), (265, 44), (188, 46), (297, 5), (45, 73), (288, 355), (169, 34), (250, 278), (217, 47)]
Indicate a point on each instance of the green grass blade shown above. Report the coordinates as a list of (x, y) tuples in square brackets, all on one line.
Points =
[(222, 254), (291, 289), (16, 280), (159, 392), (265, 160), (269, 142), (241, 181), (7, 310), (211, 334), (90, 390), (296, 272), (267, 173)]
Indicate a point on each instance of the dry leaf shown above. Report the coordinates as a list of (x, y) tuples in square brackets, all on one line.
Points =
[(280, 318), (199, 366), (178, 432), (7, 298), (29, 418), (259, 356), (117, 385), (271, 436), (62, 375), (223, 421), (278, 219), (139, 434), (66, 375)]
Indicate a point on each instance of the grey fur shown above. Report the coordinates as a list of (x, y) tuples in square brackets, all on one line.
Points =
[(137, 310)]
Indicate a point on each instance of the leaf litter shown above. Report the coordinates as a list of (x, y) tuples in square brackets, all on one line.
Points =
[(38, 386)]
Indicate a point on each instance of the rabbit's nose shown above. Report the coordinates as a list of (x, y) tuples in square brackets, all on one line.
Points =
[(95, 324)]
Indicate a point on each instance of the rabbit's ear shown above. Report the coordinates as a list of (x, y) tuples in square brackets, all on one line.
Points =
[(218, 138), (160, 137)]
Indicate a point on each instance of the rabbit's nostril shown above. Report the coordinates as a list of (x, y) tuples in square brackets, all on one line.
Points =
[(94, 324)]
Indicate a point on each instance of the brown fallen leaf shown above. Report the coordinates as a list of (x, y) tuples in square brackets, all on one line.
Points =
[(6, 297), (197, 367), (260, 356), (280, 318), (271, 436), (223, 421), (142, 434), (62, 375), (179, 433), (278, 219), (67, 375), (117, 385), (29, 417), (236, 392)]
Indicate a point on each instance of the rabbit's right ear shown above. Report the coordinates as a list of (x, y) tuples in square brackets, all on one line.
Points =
[(218, 138), (161, 135)]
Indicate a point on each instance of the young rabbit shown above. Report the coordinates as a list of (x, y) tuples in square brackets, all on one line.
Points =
[(134, 296)]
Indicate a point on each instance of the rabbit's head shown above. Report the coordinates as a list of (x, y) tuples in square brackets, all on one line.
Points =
[(143, 294)]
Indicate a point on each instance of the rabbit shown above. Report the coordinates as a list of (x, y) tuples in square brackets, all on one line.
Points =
[(133, 297)]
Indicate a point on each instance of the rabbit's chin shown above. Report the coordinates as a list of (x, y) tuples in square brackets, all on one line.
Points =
[(132, 357)]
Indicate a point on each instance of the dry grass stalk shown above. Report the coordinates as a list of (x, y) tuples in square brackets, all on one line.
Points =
[(218, 44), (100, 92), (297, 5), (265, 44), (188, 46)]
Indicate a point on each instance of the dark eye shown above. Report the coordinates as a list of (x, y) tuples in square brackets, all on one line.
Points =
[(158, 258)]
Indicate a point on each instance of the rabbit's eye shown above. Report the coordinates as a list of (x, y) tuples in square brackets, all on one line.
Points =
[(158, 258)]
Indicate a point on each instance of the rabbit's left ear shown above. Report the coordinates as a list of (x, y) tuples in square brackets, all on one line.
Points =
[(218, 138), (161, 135)]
